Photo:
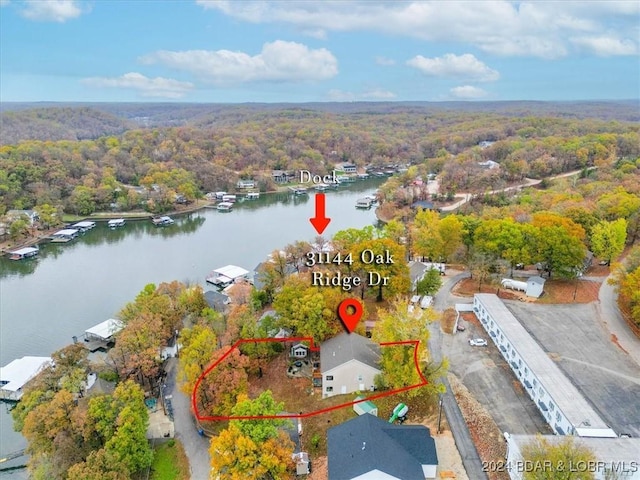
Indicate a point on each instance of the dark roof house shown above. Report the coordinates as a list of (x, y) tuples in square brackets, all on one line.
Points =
[(369, 447)]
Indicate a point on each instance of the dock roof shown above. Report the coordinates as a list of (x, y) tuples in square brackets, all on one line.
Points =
[(16, 374), (66, 231), (231, 271), (106, 329), (559, 387), (24, 251)]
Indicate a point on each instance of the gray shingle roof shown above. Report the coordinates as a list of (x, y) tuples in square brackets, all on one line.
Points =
[(348, 346), (368, 443)]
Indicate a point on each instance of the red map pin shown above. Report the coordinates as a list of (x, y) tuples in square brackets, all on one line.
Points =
[(350, 312)]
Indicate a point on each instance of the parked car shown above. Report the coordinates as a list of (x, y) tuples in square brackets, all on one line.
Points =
[(477, 342), (460, 328), (426, 301), (415, 299)]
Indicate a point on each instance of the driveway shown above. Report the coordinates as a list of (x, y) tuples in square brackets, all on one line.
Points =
[(195, 446), (612, 320)]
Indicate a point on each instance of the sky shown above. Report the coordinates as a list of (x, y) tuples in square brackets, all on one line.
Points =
[(318, 51)]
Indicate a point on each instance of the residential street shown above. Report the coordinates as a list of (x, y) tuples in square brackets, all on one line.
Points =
[(196, 446), (607, 308)]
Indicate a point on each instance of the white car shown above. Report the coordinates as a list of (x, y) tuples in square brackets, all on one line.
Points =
[(426, 301), (477, 342), (415, 299)]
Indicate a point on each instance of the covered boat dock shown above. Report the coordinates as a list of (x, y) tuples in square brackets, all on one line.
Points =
[(102, 335), (18, 373), (225, 276)]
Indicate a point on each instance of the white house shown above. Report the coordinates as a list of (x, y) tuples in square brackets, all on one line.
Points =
[(349, 363), (561, 404), (369, 448), (614, 457), (299, 350)]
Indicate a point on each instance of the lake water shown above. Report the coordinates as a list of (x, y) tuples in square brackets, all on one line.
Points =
[(73, 286)]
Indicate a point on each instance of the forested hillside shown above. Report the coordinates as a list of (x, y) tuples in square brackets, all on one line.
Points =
[(58, 124), (147, 168)]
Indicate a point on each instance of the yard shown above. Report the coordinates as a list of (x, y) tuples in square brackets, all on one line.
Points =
[(555, 291), (170, 462)]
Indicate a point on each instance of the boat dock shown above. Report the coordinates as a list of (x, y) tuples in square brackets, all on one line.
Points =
[(23, 253), (18, 373), (64, 236), (84, 226), (101, 336), (224, 276), (162, 221), (364, 203), (116, 223)]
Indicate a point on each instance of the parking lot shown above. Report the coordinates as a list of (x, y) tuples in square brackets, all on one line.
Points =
[(585, 352), (490, 380)]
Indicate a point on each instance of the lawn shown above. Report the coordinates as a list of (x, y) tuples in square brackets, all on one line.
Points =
[(170, 462)]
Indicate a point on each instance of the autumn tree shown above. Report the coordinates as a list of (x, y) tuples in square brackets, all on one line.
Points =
[(425, 235), (556, 456), (198, 346), (507, 239), (397, 324), (561, 252), (235, 456), (263, 405), (221, 387), (608, 239)]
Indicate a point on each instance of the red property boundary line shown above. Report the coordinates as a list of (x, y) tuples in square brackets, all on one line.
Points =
[(312, 347)]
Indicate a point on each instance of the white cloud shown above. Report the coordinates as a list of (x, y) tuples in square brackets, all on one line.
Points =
[(384, 61), (51, 10), (451, 65), (374, 94), (148, 87), (278, 61), (502, 27), (606, 46), (467, 92)]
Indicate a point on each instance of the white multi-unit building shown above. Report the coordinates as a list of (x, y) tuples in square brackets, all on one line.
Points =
[(559, 401)]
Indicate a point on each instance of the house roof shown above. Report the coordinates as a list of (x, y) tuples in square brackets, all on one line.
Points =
[(367, 443), (348, 346), (216, 300), (106, 329), (231, 271), (416, 269)]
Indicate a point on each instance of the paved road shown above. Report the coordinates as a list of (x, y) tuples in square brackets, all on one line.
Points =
[(195, 446), (607, 308), (467, 449)]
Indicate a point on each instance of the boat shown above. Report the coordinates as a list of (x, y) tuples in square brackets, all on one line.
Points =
[(229, 198), (321, 187), (363, 176), (253, 195), (364, 203), (224, 206), (23, 253), (162, 221), (298, 190), (116, 223), (84, 226)]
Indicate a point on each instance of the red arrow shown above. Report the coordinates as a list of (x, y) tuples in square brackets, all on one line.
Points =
[(320, 222)]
